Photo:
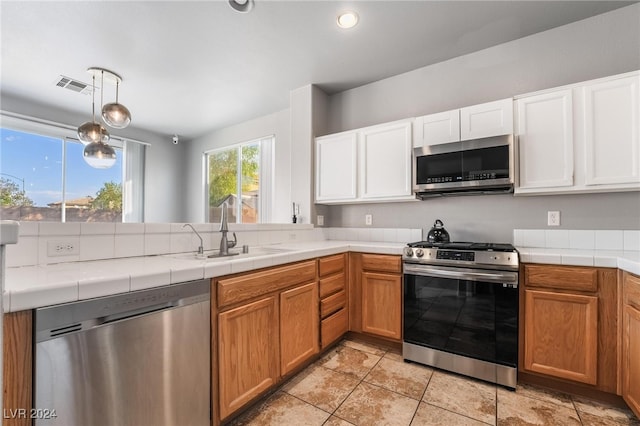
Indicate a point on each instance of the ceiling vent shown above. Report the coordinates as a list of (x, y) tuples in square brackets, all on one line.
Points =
[(73, 85)]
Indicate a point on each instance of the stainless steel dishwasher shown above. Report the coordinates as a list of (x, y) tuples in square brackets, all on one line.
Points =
[(140, 358)]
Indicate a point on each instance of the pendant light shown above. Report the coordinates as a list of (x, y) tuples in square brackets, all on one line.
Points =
[(97, 153), (115, 114), (91, 131)]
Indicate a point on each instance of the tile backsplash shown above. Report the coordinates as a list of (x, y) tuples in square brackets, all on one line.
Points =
[(38, 241), (95, 241), (578, 239)]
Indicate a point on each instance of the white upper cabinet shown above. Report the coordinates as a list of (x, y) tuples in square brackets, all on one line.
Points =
[(580, 138), (545, 139), (365, 165), (435, 129), (385, 161), (485, 120), (611, 132), (336, 167), (474, 122)]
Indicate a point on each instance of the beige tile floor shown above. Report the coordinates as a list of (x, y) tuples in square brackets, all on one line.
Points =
[(357, 383)]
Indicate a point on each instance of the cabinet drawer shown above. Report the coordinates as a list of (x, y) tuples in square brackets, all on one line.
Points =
[(247, 286), (631, 292), (331, 264), (561, 277), (331, 285), (381, 262), (333, 327), (333, 303)]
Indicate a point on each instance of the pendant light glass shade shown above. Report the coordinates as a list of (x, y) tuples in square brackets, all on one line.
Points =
[(99, 155), (114, 114), (93, 132)]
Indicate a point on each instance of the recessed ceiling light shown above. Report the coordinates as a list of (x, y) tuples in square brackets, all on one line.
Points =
[(242, 6), (347, 20)]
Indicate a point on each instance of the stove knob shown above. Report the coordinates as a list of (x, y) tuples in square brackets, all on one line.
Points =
[(408, 252), (419, 253)]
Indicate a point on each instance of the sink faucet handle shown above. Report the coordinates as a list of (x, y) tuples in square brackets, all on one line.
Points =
[(232, 244)]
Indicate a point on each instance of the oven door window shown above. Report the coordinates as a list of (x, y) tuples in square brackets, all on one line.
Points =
[(468, 318)]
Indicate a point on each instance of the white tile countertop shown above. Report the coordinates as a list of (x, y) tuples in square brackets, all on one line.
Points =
[(29, 287), (627, 260), (34, 286), (600, 248)]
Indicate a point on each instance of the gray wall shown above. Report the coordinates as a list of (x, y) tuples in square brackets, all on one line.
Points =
[(596, 47)]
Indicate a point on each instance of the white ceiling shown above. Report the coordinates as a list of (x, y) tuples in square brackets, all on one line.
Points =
[(192, 67)]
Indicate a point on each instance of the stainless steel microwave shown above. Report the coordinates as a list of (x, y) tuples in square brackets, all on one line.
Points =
[(468, 167)]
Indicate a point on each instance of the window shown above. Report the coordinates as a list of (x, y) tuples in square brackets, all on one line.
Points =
[(240, 176), (45, 178)]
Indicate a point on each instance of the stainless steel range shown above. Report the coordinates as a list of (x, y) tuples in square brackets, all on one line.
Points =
[(461, 308)]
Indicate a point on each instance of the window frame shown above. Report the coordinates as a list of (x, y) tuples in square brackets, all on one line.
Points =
[(266, 174), (66, 133)]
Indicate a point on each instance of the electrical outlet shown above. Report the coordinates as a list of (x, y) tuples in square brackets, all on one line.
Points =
[(320, 220), (368, 219), (63, 248), (553, 218)]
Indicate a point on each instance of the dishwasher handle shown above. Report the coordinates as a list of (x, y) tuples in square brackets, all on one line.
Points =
[(135, 313), (56, 321)]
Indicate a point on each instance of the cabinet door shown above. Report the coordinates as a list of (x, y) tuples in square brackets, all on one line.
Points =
[(385, 161), (382, 304), (630, 364), (17, 367), (611, 127), (561, 335), (545, 140), (631, 358), (485, 120), (299, 326), (248, 353), (435, 129), (336, 167)]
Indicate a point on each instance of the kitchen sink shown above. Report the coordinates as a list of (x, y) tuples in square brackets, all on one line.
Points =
[(213, 255)]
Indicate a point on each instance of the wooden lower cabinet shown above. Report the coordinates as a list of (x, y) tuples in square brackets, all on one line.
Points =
[(268, 325), (375, 295), (631, 342), (561, 335), (299, 326), (382, 304), (17, 367), (248, 349), (568, 325)]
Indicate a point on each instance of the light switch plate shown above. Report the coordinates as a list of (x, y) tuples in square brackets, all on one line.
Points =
[(368, 219), (320, 220)]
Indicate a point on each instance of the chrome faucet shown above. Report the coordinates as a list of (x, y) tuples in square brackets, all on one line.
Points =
[(225, 244), (200, 248)]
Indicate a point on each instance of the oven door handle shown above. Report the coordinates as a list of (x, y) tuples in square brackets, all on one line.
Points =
[(462, 274)]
